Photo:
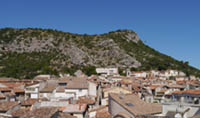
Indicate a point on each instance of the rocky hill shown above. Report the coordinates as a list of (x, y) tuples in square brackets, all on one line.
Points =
[(25, 53)]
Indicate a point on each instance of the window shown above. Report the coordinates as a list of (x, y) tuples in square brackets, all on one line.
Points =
[(80, 90)]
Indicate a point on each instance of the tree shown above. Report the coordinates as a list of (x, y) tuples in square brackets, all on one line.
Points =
[(89, 70)]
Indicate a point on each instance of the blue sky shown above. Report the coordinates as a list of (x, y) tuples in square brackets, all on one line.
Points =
[(169, 26)]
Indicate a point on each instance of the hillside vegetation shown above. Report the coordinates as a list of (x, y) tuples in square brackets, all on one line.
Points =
[(25, 53)]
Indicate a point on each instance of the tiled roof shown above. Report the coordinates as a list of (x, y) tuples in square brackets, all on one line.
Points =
[(77, 83), (19, 112), (85, 101), (155, 86), (48, 89), (64, 115), (17, 90), (31, 83), (29, 102), (197, 92), (5, 106), (12, 85), (103, 114), (43, 112), (10, 94), (135, 105), (60, 89), (5, 89)]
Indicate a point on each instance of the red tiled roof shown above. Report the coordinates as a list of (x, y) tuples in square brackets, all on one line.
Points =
[(187, 91), (103, 114), (12, 85), (20, 112), (43, 112), (85, 101), (17, 90), (5, 106), (5, 89), (29, 102), (137, 106)]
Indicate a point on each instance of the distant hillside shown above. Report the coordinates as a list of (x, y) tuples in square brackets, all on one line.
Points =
[(25, 53)]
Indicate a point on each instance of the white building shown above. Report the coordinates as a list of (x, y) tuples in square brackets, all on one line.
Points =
[(77, 87), (92, 88), (32, 91), (140, 74), (186, 110), (107, 71)]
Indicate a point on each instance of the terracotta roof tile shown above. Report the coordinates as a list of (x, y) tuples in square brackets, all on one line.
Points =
[(135, 105), (60, 89), (43, 112), (103, 114), (85, 101), (64, 115), (49, 88), (12, 85), (17, 90), (5, 106), (9, 94), (197, 92), (5, 89), (29, 102), (19, 112), (77, 84)]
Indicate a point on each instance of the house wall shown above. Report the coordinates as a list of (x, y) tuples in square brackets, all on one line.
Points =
[(45, 95), (79, 115), (32, 90), (34, 95), (78, 92), (140, 74), (115, 108), (108, 71), (92, 89), (116, 90), (53, 104), (180, 108), (104, 101), (92, 114), (61, 95)]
